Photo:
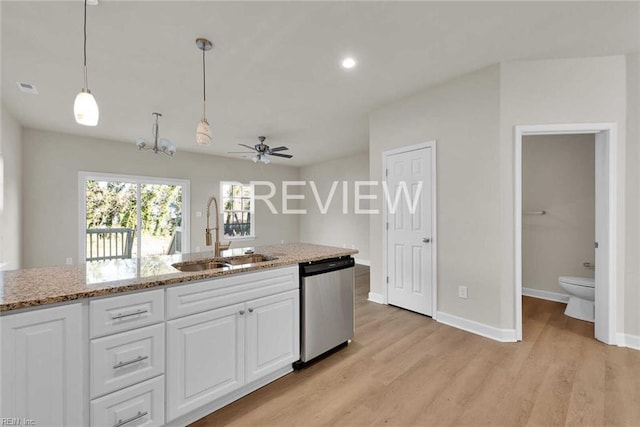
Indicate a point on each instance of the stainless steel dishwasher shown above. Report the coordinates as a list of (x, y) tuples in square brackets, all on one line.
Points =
[(326, 309)]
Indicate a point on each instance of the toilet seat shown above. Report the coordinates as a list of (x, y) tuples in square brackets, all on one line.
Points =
[(587, 282)]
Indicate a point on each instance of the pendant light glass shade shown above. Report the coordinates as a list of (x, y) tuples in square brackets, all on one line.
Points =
[(203, 133), (85, 108)]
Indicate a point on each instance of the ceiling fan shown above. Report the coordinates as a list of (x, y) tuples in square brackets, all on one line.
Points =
[(262, 151)]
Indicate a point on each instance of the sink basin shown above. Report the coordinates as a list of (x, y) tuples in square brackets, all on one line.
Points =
[(201, 266), (248, 259)]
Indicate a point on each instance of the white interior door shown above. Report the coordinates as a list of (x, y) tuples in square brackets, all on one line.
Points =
[(409, 230), (602, 278)]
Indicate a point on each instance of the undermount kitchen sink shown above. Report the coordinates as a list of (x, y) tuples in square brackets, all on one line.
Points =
[(201, 266), (222, 263), (248, 259)]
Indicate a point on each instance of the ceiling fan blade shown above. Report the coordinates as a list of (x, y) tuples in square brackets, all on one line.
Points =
[(248, 146), (278, 149), (287, 156)]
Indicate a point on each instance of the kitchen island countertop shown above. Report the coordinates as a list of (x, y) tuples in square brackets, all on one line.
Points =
[(49, 285)]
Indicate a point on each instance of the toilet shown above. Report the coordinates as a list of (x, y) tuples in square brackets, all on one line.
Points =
[(582, 294)]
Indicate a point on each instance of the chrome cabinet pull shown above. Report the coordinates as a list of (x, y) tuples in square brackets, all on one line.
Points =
[(135, 313), (426, 240), (251, 310), (139, 415), (241, 312), (130, 362)]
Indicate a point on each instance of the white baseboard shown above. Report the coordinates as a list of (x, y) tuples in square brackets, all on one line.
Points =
[(375, 297), (628, 340), (551, 296), (502, 335), (363, 262)]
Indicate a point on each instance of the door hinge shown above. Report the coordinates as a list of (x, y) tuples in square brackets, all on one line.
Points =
[(387, 279), (387, 226), (386, 172), (596, 245)]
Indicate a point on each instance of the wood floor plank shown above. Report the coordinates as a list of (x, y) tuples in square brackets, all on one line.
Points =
[(405, 369)]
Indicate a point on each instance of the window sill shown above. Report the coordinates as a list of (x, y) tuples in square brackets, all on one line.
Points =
[(239, 239)]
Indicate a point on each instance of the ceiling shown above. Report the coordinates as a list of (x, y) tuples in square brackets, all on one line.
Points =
[(275, 68)]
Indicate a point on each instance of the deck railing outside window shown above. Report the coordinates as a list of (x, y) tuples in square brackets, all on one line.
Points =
[(109, 243)]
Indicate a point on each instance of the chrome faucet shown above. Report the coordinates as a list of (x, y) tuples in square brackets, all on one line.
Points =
[(217, 246)]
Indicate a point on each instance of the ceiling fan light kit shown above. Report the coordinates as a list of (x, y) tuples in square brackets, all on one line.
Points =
[(203, 132), (85, 107), (261, 152)]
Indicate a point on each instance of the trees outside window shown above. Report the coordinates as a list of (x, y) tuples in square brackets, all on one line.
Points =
[(130, 217)]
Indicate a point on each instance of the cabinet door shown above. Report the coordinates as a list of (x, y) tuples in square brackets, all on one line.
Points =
[(42, 366), (273, 333), (205, 358)]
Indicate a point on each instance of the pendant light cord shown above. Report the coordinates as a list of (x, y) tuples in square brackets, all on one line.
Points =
[(86, 80), (204, 87)]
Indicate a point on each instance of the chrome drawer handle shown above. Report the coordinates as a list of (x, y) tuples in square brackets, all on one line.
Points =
[(130, 362), (135, 313), (128, 420)]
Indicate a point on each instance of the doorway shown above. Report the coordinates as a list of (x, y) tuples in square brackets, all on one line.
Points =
[(605, 220), (409, 234)]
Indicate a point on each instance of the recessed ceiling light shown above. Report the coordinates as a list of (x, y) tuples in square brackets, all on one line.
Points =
[(27, 88), (348, 63)]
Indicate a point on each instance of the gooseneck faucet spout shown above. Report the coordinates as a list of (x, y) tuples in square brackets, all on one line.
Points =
[(216, 248)]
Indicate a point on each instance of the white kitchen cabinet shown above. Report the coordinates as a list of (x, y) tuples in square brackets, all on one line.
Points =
[(205, 358), (141, 405), (120, 360), (219, 355), (43, 366), (273, 334)]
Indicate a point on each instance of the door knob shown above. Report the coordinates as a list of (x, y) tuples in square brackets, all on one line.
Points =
[(426, 240)]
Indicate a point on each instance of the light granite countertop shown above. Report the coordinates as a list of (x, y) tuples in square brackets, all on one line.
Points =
[(49, 285)]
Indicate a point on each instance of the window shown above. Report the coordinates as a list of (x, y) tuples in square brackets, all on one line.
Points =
[(131, 217), (237, 210)]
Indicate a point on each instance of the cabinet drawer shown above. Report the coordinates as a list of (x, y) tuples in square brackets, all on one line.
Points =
[(138, 405), (121, 360), (197, 297), (121, 313)]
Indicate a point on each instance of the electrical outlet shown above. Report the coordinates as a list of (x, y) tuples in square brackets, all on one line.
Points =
[(353, 246), (282, 242), (462, 292), (69, 261), (198, 214), (197, 248)]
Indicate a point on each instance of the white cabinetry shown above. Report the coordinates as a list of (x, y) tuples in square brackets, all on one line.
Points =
[(273, 334), (42, 366), (205, 355), (231, 348), (127, 366)]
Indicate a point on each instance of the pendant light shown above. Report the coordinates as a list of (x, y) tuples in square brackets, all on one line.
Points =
[(203, 133), (85, 107)]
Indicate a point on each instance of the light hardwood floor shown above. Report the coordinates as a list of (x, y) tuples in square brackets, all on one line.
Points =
[(405, 369)]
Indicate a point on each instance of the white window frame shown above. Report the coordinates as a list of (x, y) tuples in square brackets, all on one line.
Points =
[(84, 176), (252, 236)]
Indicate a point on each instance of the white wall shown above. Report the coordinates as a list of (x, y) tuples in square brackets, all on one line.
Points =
[(632, 279), (574, 90), (10, 199), (558, 176), (462, 115), (336, 228), (50, 190)]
